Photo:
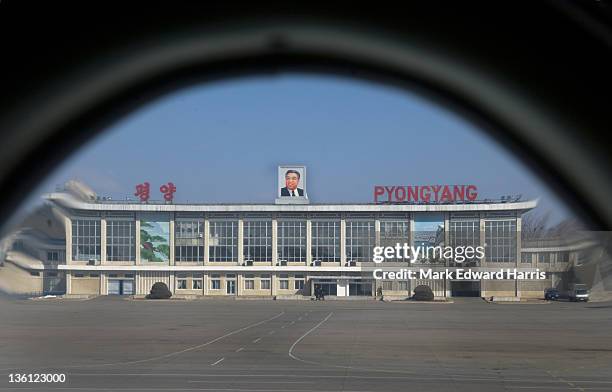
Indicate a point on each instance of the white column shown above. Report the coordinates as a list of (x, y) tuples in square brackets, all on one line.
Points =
[(206, 243), (274, 242), (103, 240), (518, 250), (308, 242), (68, 282), (103, 290), (171, 255), (482, 238), (138, 261), (342, 242), (68, 228), (240, 242)]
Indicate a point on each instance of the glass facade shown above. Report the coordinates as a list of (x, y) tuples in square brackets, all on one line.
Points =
[(189, 240), (86, 236), (257, 243), (291, 243), (360, 240), (223, 239), (394, 232), (325, 241), (120, 240), (463, 233), (500, 240)]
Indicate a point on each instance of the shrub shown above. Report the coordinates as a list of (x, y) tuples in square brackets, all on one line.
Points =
[(423, 293), (159, 291)]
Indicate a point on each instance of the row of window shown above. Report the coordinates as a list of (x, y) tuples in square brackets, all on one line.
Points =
[(194, 282), (545, 257), (500, 239)]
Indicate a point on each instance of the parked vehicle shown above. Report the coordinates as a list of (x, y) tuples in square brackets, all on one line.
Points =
[(578, 292), (551, 294)]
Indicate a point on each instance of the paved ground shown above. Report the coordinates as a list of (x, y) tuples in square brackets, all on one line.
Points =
[(224, 345)]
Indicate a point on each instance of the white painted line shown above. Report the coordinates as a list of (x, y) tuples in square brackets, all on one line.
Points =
[(306, 334), (256, 340), (213, 364), (283, 326), (291, 323), (240, 349), (175, 352), (271, 332)]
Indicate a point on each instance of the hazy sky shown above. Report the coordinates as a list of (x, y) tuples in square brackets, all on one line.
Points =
[(222, 142)]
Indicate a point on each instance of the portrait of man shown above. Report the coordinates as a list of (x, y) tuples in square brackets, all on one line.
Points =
[(292, 182)]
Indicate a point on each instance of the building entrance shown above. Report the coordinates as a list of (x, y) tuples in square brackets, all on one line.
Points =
[(120, 287), (465, 288)]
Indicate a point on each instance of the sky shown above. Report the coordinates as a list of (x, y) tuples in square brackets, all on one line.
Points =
[(222, 142)]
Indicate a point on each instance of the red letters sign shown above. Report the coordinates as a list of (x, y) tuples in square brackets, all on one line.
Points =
[(143, 191), (168, 191), (424, 193)]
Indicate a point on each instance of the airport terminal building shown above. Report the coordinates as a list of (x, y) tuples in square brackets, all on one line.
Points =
[(281, 250), (87, 245)]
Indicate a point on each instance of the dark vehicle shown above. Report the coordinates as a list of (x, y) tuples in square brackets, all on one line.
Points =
[(551, 294)]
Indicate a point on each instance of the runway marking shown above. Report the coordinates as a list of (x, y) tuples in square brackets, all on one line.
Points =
[(214, 364), (271, 332), (256, 340), (291, 323), (240, 349), (172, 354), (306, 334)]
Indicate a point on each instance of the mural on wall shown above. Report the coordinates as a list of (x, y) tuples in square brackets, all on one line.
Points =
[(154, 241)]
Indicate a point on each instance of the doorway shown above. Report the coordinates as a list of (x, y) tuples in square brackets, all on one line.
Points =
[(465, 288)]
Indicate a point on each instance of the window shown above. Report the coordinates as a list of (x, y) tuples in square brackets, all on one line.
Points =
[(464, 232), (196, 283), (94, 275), (394, 232), (291, 243), (257, 240), (120, 240), (500, 240), (265, 282), (298, 283), (284, 282), (181, 284), (544, 257), (249, 282), (223, 241), (526, 257), (215, 282), (189, 240), (34, 273), (79, 275), (85, 239), (360, 240), (563, 257), (326, 241), (53, 255), (387, 285), (403, 285)]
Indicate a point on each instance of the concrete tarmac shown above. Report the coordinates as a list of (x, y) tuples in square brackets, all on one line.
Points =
[(114, 344)]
